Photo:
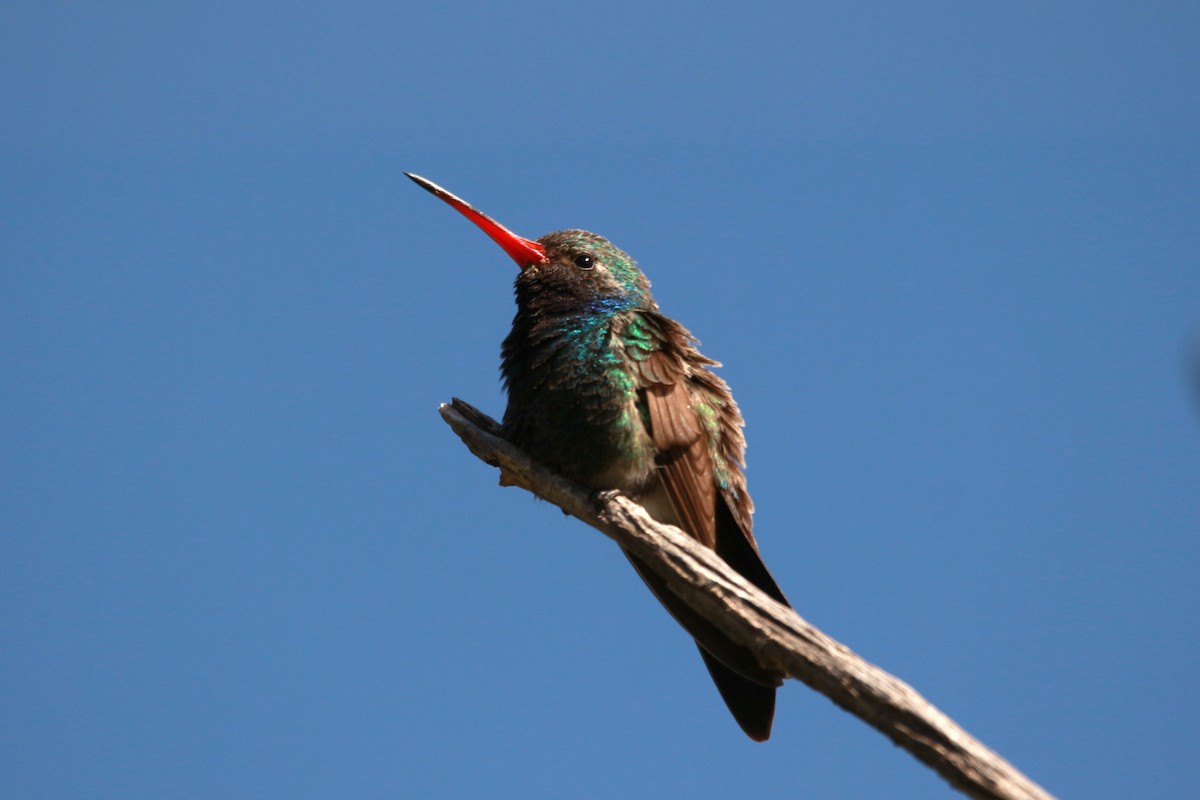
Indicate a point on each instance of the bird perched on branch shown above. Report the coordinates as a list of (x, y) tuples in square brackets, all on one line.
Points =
[(610, 392)]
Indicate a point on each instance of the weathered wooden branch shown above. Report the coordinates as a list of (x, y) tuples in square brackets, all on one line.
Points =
[(778, 637)]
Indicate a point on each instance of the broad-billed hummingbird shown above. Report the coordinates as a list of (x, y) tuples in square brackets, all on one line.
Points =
[(608, 391)]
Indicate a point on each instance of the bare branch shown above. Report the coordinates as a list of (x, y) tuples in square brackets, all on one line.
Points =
[(777, 636)]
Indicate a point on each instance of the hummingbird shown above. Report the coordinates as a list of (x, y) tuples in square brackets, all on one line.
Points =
[(610, 392)]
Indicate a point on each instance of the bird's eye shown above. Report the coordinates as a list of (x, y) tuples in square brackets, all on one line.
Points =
[(583, 261)]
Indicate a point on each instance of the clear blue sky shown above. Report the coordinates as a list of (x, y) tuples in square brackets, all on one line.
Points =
[(948, 252)]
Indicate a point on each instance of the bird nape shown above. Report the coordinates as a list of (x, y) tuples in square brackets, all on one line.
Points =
[(608, 391)]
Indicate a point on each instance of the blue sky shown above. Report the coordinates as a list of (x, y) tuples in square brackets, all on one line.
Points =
[(949, 254)]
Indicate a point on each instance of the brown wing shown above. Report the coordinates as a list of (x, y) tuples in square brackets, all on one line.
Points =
[(696, 429), (685, 465), (694, 424)]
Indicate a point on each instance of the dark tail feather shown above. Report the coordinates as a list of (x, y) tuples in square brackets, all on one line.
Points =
[(747, 688), (712, 641), (752, 705)]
